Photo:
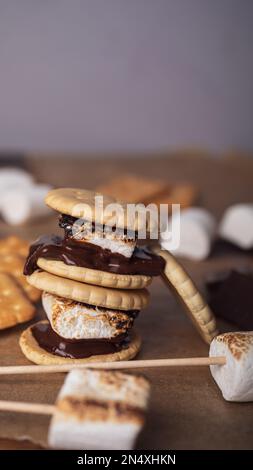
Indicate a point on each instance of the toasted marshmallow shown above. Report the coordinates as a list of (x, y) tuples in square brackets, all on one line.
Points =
[(75, 320), (122, 247), (235, 378), (237, 225), (99, 410), (103, 236)]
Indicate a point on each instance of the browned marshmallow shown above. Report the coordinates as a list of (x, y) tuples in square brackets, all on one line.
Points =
[(76, 320), (116, 242), (99, 410), (235, 378)]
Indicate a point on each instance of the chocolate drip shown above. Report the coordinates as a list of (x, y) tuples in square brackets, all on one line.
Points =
[(75, 349), (87, 255)]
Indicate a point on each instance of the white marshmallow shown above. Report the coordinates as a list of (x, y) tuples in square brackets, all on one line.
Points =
[(13, 178), (235, 378), (237, 225), (21, 204), (125, 248), (99, 410), (105, 237), (74, 320), (197, 229)]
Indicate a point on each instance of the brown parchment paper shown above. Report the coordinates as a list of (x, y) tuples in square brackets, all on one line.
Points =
[(186, 410), (38, 388)]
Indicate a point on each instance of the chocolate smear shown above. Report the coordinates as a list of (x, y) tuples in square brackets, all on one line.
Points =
[(73, 253), (49, 340)]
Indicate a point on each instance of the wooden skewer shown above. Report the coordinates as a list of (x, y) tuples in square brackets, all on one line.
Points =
[(177, 362), (22, 407), (44, 409)]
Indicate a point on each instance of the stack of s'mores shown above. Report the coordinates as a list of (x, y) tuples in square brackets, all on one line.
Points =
[(93, 280)]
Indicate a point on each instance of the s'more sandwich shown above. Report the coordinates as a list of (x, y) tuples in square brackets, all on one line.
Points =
[(93, 279)]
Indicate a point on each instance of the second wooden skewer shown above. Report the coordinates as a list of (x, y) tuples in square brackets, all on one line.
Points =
[(23, 407)]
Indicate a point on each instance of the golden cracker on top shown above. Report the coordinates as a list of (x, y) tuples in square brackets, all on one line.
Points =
[(81, 203)]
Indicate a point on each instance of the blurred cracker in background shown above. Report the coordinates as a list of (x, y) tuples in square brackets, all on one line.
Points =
[(13, 252), (135, 189), (132, 188)]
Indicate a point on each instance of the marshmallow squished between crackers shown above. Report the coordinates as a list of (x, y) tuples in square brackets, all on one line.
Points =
[(99, 410), (116, 242), (21, 204), (76, 320), (197, 229), (235, 378), (237, 225), (124, 247)]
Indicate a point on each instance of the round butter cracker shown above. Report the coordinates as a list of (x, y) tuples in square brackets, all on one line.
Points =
[(38, 355), (94, 276), (80, 203), (185, 289), (94, 295)]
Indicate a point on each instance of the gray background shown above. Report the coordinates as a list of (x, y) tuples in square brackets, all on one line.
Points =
[(126, 74)]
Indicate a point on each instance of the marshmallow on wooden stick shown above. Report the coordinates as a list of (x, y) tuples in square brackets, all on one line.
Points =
[(235, 378), (21, 204), (98, 409), (237, 225), (197, 229)]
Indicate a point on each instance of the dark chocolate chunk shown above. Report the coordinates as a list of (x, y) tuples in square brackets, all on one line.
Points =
[(231, 298), (223, 247)]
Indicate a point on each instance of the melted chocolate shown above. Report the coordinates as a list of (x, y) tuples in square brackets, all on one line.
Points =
[(92, 256), (75, 349)]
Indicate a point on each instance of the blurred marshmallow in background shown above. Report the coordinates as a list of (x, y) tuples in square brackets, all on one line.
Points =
[(236, 225), (13, 178), (197, 231), (21, 199)]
